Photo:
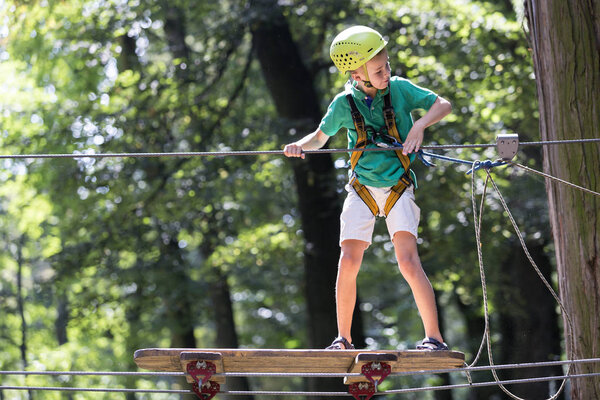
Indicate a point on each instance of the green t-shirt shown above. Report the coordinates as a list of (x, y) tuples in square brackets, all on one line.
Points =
[(378, 168)]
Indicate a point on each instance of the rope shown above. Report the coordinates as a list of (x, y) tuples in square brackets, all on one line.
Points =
[(553, 142), (310, 374), (486, 336), (420, 389), (496, 367), (217, 153), (92, 373), (554, 178), (276, 152), (107, 390), (482, 384), (299, 393), (477, 225), (487, 165)]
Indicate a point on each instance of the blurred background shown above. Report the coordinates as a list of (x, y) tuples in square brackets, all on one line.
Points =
[(100, 257)]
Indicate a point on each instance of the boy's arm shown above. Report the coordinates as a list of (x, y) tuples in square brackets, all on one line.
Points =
[(438, 110), (312, 141)]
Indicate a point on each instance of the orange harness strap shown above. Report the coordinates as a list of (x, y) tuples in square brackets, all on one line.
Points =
[(390, 123), (397, 191), (359, 125), (362, 141), (365, 195)]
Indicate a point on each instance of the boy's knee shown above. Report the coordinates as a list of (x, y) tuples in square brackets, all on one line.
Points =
[(409, 265), (349, 261), (408, 259), (351, 255)]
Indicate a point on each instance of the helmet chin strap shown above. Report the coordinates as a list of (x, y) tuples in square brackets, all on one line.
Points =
[(366, 82)]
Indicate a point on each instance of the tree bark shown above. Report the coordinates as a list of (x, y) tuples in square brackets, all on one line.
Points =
[(565, 37)]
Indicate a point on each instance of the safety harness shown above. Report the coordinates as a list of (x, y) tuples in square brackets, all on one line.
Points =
[(368, 135)]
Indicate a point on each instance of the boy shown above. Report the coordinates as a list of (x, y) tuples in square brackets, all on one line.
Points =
[(375, 109)]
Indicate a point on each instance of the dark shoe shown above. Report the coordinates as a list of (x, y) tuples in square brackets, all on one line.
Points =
[(340, 343), (432, 344)]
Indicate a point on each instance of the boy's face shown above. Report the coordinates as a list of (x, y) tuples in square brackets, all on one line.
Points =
[(379, 71)]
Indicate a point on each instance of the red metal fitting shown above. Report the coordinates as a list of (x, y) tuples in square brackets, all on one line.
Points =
[(376, 372), (362, 390), (206, 391)]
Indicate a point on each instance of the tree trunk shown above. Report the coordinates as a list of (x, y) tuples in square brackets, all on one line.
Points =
[(565, 37), (179, 311), (226, 333), (175, 30), (444, 378), (292, 89), (475, 328), (62, 318), (527, 321), (21, 307), (60, 326)]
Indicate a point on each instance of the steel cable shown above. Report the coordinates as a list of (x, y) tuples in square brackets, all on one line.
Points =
[(274, 152), (308, 375), (301, 393)]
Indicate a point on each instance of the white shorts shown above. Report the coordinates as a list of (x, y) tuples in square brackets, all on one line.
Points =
[(357, 220)]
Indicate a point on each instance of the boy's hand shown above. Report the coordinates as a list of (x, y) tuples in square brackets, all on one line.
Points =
[(293, 150), (413, 140)]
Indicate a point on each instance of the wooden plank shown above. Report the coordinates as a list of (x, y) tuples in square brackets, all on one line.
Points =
[(418, 360), (256, 360), (297, 361), (216, 359)]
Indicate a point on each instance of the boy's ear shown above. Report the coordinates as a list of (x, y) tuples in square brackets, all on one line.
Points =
[(355, 75)]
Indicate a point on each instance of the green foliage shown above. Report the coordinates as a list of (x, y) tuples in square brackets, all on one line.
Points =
[(128, 244)]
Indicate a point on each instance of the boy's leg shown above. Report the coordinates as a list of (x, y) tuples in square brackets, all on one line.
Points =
[(405, 245), (356, 229), (351, 256)]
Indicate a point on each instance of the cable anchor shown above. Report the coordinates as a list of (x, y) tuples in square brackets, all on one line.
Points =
[(201, 372), (507, 145), (376, 372), (362, 390), (206, 391)]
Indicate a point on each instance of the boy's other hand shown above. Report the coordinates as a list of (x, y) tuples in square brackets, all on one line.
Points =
[(293, 150), (413, 141)]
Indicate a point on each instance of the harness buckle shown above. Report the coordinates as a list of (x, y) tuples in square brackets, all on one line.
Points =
[(407, 179)]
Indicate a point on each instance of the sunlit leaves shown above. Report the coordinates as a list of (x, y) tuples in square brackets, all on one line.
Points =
[(125, 241)]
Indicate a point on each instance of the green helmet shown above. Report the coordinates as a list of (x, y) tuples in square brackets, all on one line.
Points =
[(354, 46)]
